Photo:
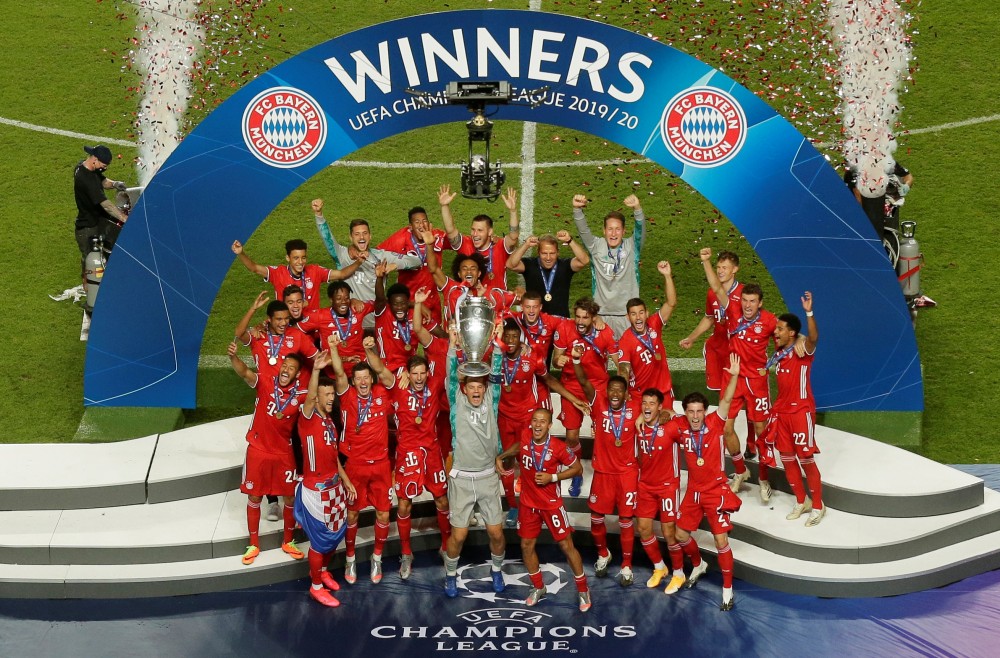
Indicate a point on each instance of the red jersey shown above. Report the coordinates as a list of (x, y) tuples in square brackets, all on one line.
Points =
[(647, 357), (404, 242), (324, 322), (540, 334), (312, 280), (319, 448), (366, 424), (268, 346), (495, 255), (709, 445), (268, 432), (659, 460), (409, 406), (453, 292), (437, 357), (522, 392), (395, 339), (720, 336), (544, 457), (597, 346), (749, 338), (614, 435), (793, 375)]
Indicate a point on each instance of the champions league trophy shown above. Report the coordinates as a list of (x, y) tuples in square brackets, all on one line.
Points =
[(475, 317)]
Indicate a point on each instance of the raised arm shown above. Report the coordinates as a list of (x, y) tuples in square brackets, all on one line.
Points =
[(337, 364), (581, 258), (727, 396), (445, 197), (713, 279), (385, 377), (244, 371), (440, 278), (253, 267), (380, 273), (639, 234), (514, 263), (670, 292), (329, 241), (580, 220), (705, 324), (812, 337), (419, 299), (321, 361), (513, 223), (581, 376), (241, 332)]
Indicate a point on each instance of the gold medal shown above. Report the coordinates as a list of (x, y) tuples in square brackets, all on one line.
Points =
[(418, 420), (406, 347), (658, 357), (548, 297), (506, 388), (700, 462), (279, 415), (618, 443), (357, 429), (762, 371)]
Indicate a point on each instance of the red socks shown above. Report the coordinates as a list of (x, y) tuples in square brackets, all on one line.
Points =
[(676, 557), (726, 565), (404, 526), (738, 463), (350, 538), (381, 534), (794, 477), (253, 522), (445, 526), (316, 564), (536, 580), (600, 534), (689, 547), (628, 540), (652, 548), (814, 482), (288, 515)]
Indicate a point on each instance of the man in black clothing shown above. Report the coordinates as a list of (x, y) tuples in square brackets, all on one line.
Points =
[(96, 214)]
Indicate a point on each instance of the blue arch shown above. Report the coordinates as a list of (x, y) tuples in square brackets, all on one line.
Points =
[(350, 91)]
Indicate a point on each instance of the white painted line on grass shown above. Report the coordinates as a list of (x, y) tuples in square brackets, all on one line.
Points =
[(96, 139), (953, 124)]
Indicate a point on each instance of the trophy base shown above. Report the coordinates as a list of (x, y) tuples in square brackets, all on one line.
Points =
[(474, 369)]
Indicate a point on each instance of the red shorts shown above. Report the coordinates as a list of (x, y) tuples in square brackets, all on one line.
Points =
[(793, 434), (614, 491), (372, 484), (570, 416), (663, 501), (266, 473), (715, 505), (511, 429), (529, 522), (754, 394), (420, 469), (716, 355)]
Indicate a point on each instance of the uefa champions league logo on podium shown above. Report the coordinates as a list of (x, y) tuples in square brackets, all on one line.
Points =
[(475, 582)]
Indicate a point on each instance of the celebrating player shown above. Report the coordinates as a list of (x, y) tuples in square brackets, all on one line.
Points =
[(642, 358), (481, 239), (540, 456), (345, 319), (410, 240), (547, 274), (701, 436)]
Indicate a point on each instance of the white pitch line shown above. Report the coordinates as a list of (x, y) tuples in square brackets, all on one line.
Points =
[(953, 124), (528, 142), (66, 133)]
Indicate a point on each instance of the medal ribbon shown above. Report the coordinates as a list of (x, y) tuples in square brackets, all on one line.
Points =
[(547, 281), (642, 339), (532, 336), (619, 427), (363, 413), (775, 358), (420, 248), (278, 404), (329, 428), (652, 437), (697, 443), (341, 329), (617, 255), (508, 372), (589, 338), (539, 461), (423, 400), (744, 325), (273, 346), (405, 330)]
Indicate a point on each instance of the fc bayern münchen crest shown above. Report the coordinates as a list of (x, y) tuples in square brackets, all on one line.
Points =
[(284, 127), (703, 127)]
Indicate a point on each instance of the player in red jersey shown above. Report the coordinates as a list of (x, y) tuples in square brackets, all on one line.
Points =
[(365, 407), (481, 239), (344, 318), (436, 353), (659, 490), (538, 327), (642, 357), (324, 491), (275, 340), (750, 328), (616, 470), (540, 456), (702, 437), (792, 427), (309, 277), (269, 467), (525, 381), (419, 464), (598, 345), (394, 334), (410, 240), (466, 280)]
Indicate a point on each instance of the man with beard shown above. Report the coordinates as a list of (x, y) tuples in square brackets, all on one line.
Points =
[(642, 357), (481, 240), (410, 240), (548, 274)]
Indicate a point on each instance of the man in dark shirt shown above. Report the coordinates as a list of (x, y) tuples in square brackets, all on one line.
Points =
[(547, 274), (96, 214)]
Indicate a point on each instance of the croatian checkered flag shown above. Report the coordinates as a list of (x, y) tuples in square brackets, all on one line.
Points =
[(321, 512)]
